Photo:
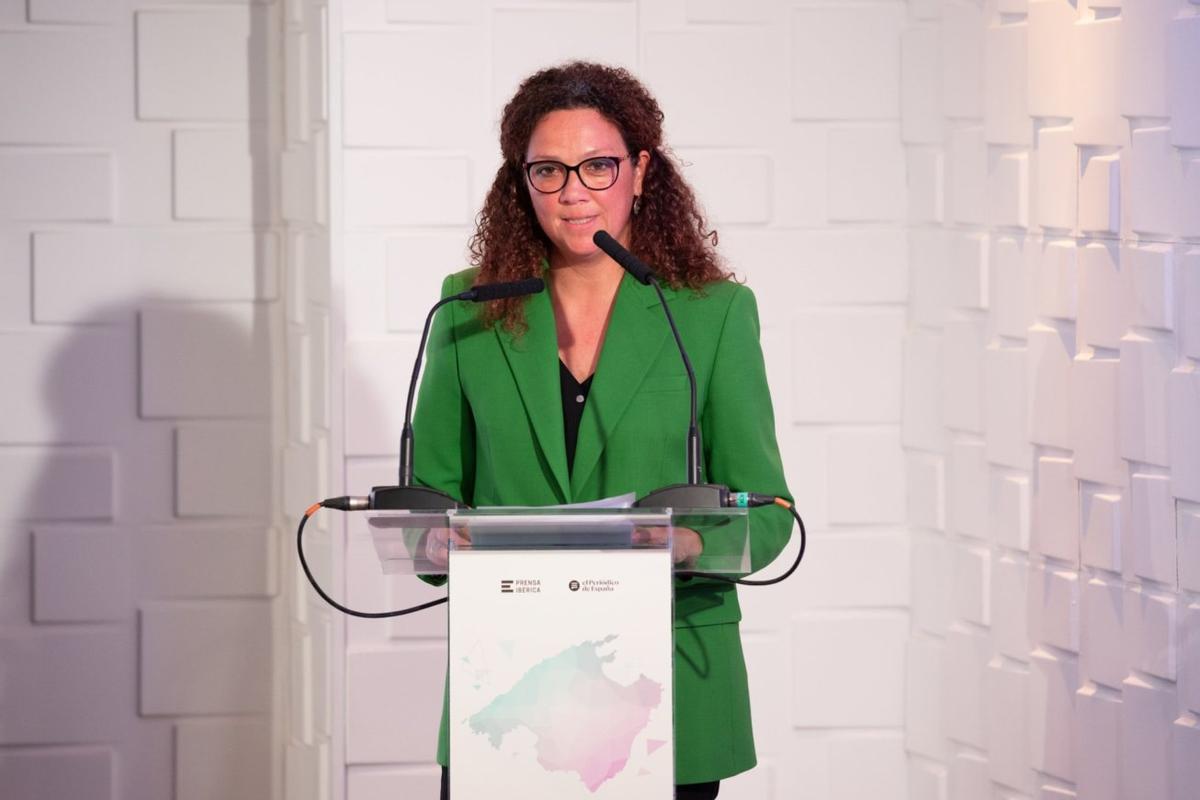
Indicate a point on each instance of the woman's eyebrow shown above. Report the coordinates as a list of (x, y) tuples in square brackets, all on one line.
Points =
[(586, 155)]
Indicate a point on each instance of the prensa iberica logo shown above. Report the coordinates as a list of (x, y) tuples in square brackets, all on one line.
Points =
[(520, 586)]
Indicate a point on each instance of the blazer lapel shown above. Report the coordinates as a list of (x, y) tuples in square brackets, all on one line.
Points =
[(533, 359), (637, 331)]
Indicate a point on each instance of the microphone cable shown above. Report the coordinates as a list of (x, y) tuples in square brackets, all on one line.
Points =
[(751, 500), (347, 504)]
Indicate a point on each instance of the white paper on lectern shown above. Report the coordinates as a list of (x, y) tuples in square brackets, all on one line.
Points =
[(560, 674)]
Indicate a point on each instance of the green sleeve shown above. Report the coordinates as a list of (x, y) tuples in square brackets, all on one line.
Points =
[(738, 427)]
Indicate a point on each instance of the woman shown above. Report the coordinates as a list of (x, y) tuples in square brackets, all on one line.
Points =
[(579, 392)]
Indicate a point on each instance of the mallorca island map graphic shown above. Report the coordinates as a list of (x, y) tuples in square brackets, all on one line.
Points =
[(582, 720)]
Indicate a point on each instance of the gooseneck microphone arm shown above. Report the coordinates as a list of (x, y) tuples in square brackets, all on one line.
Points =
[(405, 496), (476, 294), (640, 271), (406, 435), (695, 494)]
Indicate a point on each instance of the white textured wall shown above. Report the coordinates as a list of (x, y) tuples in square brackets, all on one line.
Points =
[(1052, 401), (788, 115), (139, 298)]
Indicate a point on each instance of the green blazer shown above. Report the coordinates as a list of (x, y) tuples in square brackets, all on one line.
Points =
[(488, 430)]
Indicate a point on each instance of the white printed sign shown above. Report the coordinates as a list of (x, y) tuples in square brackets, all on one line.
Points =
[(560, 675)]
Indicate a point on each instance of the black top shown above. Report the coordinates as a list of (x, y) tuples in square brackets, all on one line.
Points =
[(574, 395)]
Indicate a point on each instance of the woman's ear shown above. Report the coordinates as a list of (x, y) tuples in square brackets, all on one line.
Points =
[(639, 171)]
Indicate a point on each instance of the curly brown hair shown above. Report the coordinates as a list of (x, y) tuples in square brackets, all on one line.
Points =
[(669, 231)]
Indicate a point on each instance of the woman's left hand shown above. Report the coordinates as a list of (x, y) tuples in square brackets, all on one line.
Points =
[(686, 544)]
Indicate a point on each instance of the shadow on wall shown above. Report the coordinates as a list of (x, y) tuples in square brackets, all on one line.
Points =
[(137, 561)]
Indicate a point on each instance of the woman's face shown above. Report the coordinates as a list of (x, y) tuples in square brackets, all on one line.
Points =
[(572, 215)]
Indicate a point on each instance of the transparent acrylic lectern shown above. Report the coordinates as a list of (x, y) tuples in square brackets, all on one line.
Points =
[(560, 640)]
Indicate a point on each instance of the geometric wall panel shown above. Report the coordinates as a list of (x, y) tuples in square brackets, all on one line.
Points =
[(205, 486), (90, 669), (844, 62), (217, 759), (1052, 686), (199, 64), (849, 670), (1005, 112), (1102, 655), (1051, 352), (189, 561), (1097, 74), (210, 657), (1006, 407), (962, 375), (920, 69), (871, 340), (371, 783), (1143, 58), (379, 109), (1057, 171), (1100, 195), (1057, 282), (1183, 53), (37, 475), (1152, 198), (922, 712), (216, 175), (866, 174), (81, 575), (966, 656), (48, 365), (75, 773), (1008, 730), (382, 725), (1183, 420), (204, 361), (525, 39), (1146, 721), (398, 188), (737, 186), (1103, 289), (1152, 535), (1094, 421), (65, 89), (1056, 510), (56, 186), (744, 67), (866, 470), (100, 275), (963, 34), (1098, 744), (1051, 87)]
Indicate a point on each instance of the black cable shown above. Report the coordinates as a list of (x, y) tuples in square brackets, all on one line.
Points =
[(312, 580), (766, 581), (345, 504)]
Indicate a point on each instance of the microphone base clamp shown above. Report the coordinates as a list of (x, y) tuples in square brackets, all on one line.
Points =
[(686, 495), (411, 498)]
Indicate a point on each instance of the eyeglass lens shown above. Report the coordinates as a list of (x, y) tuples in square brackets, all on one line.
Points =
[(595, 173)]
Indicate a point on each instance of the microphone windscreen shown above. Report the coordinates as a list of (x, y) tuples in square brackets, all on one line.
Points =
[(632, 264), (499, 291)]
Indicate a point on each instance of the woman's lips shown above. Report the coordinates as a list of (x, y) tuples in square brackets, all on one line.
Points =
[(580, 221)]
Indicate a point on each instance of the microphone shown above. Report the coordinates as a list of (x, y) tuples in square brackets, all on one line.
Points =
[(693, 493), (405, 495), (632, 264), (500, 291)]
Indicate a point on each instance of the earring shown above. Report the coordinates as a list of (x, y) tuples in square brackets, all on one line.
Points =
[(637, 204)]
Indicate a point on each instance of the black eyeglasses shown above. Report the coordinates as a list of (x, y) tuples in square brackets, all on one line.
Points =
[(596, 173)]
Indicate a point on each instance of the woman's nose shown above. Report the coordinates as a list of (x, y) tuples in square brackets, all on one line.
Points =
[(573, 190)]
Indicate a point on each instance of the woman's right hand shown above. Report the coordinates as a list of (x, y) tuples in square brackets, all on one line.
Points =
[(438, 542)]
